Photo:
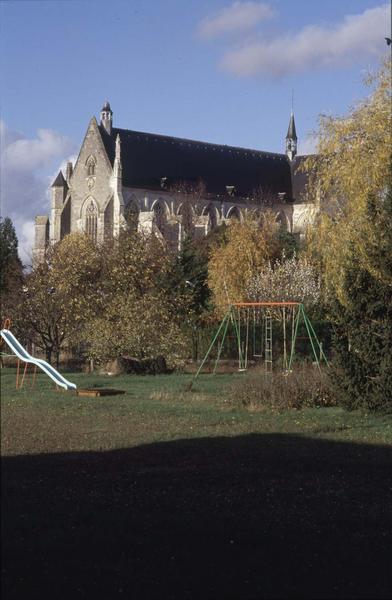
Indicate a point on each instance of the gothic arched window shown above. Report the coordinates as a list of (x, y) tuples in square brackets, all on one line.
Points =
[(131, 215), (91, 220), (186, 212), (210, 212), (281, 221), (90, 165), (159, 216), (234, 214)]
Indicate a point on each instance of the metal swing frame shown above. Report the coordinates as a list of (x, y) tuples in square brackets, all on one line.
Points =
[(233, 317)]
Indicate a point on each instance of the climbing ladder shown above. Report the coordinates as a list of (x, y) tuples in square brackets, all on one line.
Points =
[(268, 342)]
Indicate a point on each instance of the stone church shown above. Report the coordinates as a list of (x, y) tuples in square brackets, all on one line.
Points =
[(170, 186)]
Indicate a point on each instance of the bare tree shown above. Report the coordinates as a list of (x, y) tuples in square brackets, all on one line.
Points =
[(189, 194)]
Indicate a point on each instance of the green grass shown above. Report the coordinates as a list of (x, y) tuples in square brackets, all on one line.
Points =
[(154, 409), (162, 493)]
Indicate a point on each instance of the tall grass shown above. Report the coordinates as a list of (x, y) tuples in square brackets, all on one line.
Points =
[(306, 387)]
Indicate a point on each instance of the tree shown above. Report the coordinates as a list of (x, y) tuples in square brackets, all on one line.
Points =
[(244, 251), (189, 278), (140, 314), (61, 295), (188, 194), (363, 325), (352, 163), (10, 263), (11, 270), (292, 279), (352, 245)]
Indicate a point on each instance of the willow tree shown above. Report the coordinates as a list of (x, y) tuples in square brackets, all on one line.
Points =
[(352, 163), (232, 263), (352, 242)]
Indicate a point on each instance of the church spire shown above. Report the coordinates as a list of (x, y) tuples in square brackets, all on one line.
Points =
[(291, 138), (107, 117)]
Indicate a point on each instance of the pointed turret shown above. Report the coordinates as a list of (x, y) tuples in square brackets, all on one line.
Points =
[(59, 194), (59, 181), (291, 138), (107, 117)]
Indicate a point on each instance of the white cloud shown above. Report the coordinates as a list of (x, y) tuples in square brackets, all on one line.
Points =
[(240, 16), (23, 191), (308, 145), (25, 232), (313, 47), (30, 154)]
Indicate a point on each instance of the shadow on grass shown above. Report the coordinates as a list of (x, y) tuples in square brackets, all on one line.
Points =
[(257, 516)]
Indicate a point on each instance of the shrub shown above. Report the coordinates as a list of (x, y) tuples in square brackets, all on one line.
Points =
[(307, 387)]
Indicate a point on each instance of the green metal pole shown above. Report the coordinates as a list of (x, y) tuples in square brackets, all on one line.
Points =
[(246, 340), (220, 347), (254, 332), (310, 336), (293, 339), (227, 316), (238, 333), (318, 343)]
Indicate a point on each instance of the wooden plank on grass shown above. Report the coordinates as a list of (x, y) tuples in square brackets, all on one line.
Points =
[(95, 392)]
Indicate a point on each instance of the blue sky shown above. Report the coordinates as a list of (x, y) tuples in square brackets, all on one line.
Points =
[(216, 70)]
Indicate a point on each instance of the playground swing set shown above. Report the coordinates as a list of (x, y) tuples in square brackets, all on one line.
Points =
[(252, 325)]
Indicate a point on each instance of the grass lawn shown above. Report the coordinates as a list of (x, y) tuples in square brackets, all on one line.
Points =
[(165, 493)]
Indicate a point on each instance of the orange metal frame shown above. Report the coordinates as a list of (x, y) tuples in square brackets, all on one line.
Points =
[(19, 382), (266, 304)]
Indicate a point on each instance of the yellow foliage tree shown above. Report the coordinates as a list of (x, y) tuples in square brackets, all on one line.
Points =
[(60, 294), (247, 248), (352, 163), (140, 312)]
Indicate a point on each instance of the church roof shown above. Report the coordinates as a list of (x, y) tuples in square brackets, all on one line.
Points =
[(300, 178), (291, 132), (106, 107), (146, 158), (59, 181)]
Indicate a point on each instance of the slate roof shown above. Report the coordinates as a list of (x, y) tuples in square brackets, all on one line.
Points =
[(59, 181), (148, 157), (291, 132), (300, 178), (106, 107)]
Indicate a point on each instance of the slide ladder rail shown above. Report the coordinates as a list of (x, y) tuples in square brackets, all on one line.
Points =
[(23, 355)]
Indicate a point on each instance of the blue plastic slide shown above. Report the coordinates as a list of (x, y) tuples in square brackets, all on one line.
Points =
[(22, 354)]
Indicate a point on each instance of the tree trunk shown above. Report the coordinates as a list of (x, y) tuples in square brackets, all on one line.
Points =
[(49, 355)]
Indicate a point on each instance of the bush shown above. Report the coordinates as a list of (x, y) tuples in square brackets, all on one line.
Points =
[(307, 387)]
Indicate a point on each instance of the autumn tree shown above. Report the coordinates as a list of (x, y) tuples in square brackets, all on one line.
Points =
[(245, 250), (140, 314), (61, 295), (350, 243), (352, 162)]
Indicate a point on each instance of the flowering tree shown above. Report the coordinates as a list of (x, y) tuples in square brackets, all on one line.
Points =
[(287, 280), (292, 279)]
